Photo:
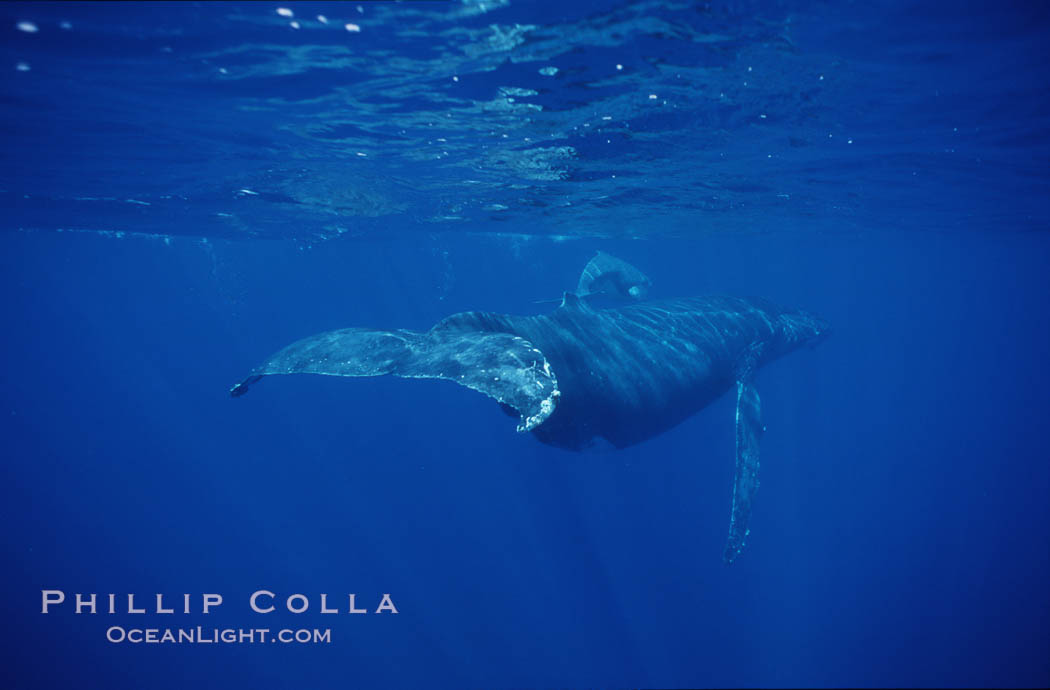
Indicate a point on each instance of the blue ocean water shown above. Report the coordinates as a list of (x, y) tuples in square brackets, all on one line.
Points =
[(188, 187)]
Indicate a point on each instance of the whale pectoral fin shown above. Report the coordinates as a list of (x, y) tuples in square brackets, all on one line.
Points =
[(503, 366), (745, 483)]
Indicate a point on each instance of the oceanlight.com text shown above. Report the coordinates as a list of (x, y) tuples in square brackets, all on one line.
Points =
[(201, 635)]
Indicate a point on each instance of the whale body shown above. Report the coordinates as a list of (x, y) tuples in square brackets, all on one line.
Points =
[(623, 374)]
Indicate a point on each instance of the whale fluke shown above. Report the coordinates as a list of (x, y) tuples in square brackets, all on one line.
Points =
[(607, 275)]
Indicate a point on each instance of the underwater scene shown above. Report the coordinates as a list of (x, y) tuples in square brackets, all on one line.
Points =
[(514, 343)]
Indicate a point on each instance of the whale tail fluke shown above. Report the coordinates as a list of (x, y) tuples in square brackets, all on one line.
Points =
[(607, 276)]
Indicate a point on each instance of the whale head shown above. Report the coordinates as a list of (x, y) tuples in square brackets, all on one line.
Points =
[(799, 327)]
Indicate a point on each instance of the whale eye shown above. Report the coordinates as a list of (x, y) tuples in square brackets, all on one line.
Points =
[(636, 291)]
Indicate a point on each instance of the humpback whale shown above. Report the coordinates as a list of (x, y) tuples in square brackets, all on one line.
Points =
[(624, 373)]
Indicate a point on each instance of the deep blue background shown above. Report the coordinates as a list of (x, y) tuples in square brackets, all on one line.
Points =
[(901, 535)]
